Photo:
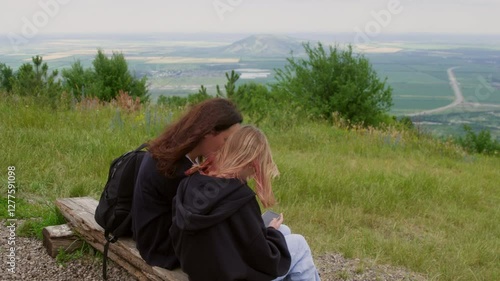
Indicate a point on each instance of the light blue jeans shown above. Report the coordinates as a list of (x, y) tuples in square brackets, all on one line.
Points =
[(302, 267)]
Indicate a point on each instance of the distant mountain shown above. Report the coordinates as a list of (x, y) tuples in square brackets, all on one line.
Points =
[(264, 46)]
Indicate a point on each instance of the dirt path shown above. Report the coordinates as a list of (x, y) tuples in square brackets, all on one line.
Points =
[(459, 98)]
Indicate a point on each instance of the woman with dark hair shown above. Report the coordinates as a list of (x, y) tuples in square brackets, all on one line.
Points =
[(199, 133)]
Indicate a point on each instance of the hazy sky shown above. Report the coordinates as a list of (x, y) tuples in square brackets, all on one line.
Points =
[(256, 16)]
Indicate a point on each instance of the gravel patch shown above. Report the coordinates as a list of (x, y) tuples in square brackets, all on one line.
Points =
[(33, 263), (336, 267)]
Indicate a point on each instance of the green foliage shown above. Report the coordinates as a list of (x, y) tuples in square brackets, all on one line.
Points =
[(64, 257), (76, 79), (202, 93), (105, 80), (254, 100), (334, 81), (24, 82), (481, 142), (198, 97), (406, 123), (230, 86), (36, 217), (108, 77), (176, 101), (34, 79), (172, 101), (6, 76)]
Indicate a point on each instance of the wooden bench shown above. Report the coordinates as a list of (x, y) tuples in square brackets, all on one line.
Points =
[(79, 212)]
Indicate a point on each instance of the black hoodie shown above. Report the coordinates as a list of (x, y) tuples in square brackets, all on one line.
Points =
[(152, 212), (218, 233)]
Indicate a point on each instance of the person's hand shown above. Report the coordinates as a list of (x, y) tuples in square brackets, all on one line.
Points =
[(276, 222)]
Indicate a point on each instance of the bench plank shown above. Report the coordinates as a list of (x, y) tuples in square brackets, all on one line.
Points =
[(79, 211), (60, 237)]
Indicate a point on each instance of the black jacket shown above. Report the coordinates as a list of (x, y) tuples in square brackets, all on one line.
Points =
[(218, 233), (152, 212)]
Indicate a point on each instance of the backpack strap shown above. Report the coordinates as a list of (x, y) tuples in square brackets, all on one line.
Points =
[(104, 260), (113, 237), (141, 147)]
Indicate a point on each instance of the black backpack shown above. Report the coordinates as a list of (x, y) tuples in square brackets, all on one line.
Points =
[(113, 213)]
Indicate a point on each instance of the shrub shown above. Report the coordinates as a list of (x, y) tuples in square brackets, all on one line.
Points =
[(6, 75), (481, 142), (172, 101), (254, 100), (105, 80), (334, 81)]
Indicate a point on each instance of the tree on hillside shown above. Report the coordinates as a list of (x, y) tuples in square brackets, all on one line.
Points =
[(76, 79), (6, 74), (336, 80), (230, 86), (198, 97), (34, 79), (105, 80)]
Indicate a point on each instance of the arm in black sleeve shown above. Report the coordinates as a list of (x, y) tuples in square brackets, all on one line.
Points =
[(267, 251)]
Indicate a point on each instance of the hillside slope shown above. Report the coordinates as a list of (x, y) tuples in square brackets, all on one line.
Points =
[(392, 197), (264, 45)]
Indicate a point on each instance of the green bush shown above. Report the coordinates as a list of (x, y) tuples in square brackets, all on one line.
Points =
[(254, 100), (34, 80), (105, 80), (172, 101), (336, 80), (481, 142), (198, 97), (6, 75), (77, 80)]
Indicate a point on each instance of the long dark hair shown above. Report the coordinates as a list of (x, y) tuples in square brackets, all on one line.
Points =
[(211, 116)]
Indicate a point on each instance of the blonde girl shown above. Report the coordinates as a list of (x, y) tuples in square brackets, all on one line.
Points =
[(217, 230)]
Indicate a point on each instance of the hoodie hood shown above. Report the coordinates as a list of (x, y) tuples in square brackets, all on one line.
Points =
[(203, 201)]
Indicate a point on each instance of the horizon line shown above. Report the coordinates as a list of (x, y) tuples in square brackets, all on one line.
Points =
[(256, 32)]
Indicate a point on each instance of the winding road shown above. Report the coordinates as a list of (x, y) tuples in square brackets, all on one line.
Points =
[(459, 98)]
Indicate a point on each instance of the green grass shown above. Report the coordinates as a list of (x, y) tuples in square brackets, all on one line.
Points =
[(84, 251), (409, 203), (394, 197), (67, 153)]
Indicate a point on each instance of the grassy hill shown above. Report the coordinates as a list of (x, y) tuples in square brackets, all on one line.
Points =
[(394, 197)]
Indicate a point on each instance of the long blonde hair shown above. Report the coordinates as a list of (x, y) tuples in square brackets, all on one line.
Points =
[(247, 147)]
